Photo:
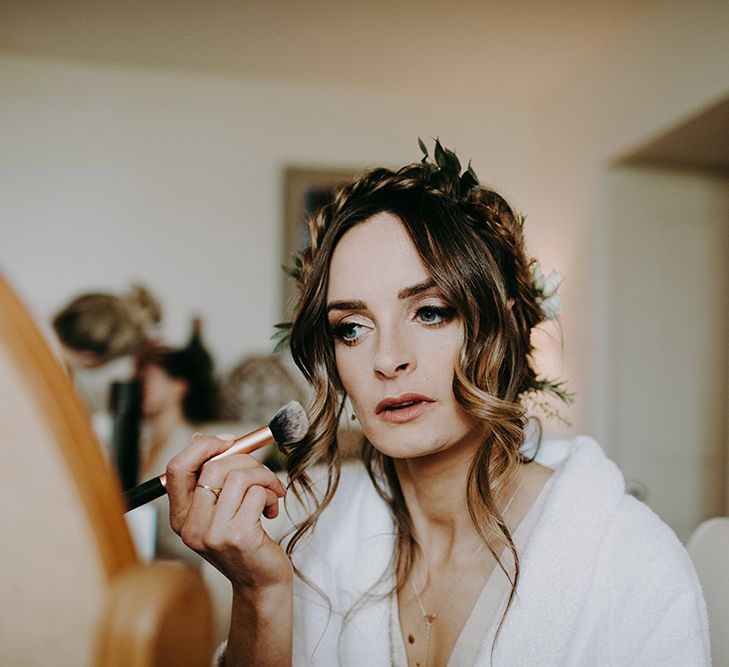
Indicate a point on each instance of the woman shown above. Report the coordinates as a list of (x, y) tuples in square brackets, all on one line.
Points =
[(456, 540), (99, 335), (178, 395)]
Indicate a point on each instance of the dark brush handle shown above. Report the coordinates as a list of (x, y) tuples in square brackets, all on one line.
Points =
[(143, 493)]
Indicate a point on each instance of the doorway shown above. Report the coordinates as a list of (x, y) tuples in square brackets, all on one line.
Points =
[(668, 218)]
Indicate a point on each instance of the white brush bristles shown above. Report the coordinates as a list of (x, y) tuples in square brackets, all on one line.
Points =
[(289, 424)]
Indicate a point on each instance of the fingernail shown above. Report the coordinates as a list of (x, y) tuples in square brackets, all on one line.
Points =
[(225, 436)]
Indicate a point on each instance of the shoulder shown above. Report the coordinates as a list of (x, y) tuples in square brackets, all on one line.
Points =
[(631, 564), (632, 536), (659, 609), (640, 550), (631, 546), (559, 453)]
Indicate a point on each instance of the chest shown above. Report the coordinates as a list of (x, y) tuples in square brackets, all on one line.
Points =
[(450, 620)]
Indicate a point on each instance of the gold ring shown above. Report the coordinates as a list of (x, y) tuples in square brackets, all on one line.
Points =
[(210, 488)]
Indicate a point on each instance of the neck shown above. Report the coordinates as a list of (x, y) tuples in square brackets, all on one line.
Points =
[(164, 423), (158, 429), (434, 488)]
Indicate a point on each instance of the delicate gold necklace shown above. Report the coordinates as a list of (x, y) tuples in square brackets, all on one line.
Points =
[(429, 619)]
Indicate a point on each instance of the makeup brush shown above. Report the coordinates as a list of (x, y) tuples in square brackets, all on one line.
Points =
[(288, 425)]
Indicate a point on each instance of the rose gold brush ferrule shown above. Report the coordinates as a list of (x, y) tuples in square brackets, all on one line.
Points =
[(245, 444)]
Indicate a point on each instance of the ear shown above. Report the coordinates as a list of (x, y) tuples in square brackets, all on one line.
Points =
[(510, 304)]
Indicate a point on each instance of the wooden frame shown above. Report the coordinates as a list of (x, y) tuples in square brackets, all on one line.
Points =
[(73, 589), (306, 189)]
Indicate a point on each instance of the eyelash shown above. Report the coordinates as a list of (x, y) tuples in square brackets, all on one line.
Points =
[(444, 313)]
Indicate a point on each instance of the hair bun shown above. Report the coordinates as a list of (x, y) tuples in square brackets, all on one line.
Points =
[(142, 306)]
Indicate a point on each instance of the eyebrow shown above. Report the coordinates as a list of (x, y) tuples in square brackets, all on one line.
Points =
[(405, 293), (414, 290)]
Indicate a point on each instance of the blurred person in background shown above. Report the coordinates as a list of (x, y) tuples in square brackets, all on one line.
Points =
[(98, 330), (179, 394)]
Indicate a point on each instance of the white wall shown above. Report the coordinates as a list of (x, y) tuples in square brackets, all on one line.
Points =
[(110, 174), (671, 65)]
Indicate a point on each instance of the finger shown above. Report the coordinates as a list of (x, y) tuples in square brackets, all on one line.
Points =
[(236, 486), (227, 512), (253, 505), (207, 509), (214, 473), (272, 506), (202, 506), (182, 473)]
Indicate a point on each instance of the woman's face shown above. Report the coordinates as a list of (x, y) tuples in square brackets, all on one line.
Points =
[(396, 341), (82, 358), (160, 391)]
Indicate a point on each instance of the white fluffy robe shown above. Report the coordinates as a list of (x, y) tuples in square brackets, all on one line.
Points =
[(603, 580)]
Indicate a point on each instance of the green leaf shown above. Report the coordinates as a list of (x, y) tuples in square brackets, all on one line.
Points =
[(454, 164), (283, 330), (472, 173), (557, 388), (291, 271), (521, 219), (468, 179), (440, 157), (447, 159), (423, 148), (281, 345)]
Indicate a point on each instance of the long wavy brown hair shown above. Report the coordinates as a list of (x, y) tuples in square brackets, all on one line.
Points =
[(471, 244)]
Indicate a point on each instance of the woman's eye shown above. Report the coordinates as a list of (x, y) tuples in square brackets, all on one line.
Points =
[(348, 332), (435, 314)]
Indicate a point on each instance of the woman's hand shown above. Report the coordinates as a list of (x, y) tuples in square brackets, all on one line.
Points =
[(226, 530)]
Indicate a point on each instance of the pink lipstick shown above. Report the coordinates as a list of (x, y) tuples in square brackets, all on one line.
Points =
[(403, 408)]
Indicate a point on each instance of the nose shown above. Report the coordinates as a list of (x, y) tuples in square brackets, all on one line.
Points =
[(394, 355)]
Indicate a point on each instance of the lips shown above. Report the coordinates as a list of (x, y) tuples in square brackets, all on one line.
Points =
[(402, 401), (403, 408)]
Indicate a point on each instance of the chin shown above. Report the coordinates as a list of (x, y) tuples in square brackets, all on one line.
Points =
[(404, 448)]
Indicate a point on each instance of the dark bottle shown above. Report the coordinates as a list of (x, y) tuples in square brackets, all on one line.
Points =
[(203, 396), (197, 350)]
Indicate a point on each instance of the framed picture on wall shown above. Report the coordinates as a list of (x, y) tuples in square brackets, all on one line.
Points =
[(306, 191)]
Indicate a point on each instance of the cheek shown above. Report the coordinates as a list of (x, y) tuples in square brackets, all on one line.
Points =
[(447, 353), (348, 369), (355, 375), (151, 390)]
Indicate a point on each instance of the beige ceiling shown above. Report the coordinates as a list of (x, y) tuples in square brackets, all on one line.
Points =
[(519, 50)]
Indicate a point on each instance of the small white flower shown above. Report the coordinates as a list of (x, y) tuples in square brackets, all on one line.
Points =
[(537, 278), (552, 283), (551, 306), (546, 289)]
